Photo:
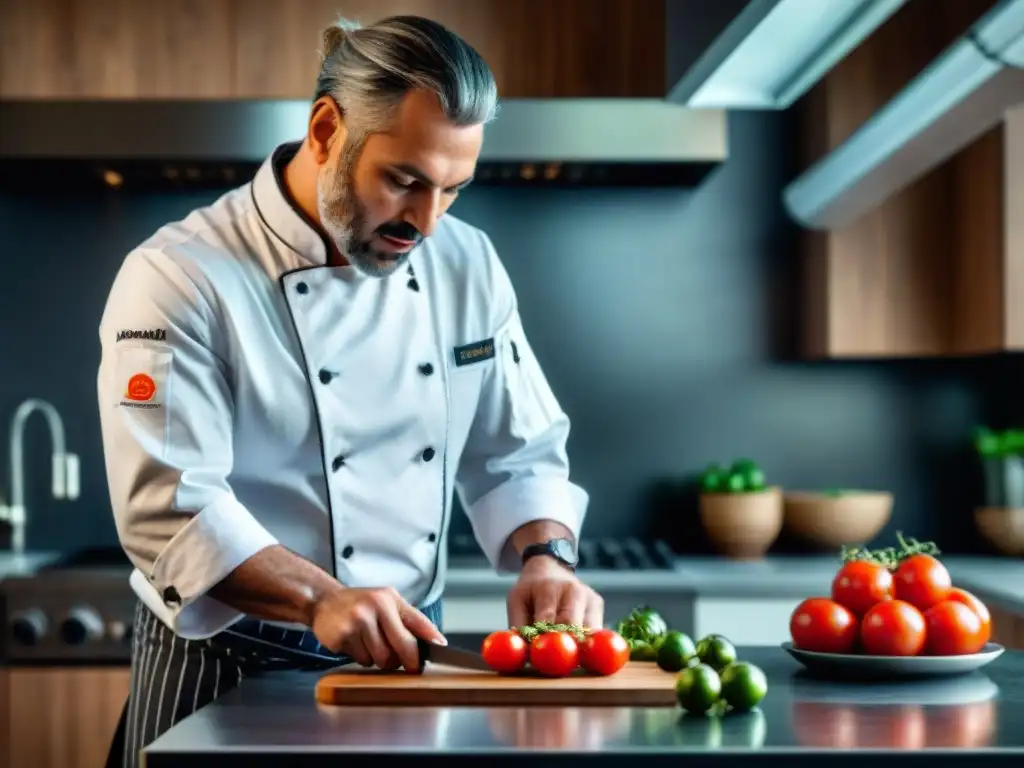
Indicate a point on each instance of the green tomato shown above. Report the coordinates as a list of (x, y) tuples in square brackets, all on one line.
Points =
[(713, 479), (737, 483)]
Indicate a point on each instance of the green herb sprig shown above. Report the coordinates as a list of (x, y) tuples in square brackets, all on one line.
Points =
[(529, 632), (890, 557)]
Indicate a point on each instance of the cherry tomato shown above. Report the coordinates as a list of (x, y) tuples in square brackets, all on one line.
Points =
[(893, 628), (505, 651), (953, 629), (922, 581), (963, 596), (823, 625), (604, 652), (859, 585), (554, 654)]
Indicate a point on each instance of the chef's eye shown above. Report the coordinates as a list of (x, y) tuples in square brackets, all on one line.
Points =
[(398, 182)]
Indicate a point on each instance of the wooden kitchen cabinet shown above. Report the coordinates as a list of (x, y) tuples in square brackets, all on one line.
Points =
[(925, 273), (114, 49), (1007, 628), (60, 717)]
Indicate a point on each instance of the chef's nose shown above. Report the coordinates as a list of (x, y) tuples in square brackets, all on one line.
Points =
[(424, 212)]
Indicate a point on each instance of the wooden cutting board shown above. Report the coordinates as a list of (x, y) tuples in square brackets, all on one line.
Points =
[(638, 684)]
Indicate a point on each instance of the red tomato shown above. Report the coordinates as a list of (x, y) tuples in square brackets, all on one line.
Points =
[(823, 625), (953, 629), (922, 581), (859, 585), (505, 651), (604, 652), (963, 596), (554, 654), (893, 628)]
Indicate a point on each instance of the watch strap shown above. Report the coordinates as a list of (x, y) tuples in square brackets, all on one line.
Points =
[(562, 550)]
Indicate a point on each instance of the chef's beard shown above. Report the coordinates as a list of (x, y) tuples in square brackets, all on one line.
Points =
[(343, 217)]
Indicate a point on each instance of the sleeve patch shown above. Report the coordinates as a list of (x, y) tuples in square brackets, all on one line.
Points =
[(142, 377)]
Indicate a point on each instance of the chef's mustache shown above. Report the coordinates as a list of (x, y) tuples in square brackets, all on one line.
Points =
[(400, 231)]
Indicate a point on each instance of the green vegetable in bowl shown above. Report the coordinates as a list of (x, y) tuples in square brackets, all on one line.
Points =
[(743, 476), (713, 479), (835, 493), (990, 444)]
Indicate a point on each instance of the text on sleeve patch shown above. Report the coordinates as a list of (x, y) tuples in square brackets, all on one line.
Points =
[(153, 334)]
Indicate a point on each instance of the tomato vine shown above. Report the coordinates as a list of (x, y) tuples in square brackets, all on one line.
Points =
[(529, 632), (890, 557)]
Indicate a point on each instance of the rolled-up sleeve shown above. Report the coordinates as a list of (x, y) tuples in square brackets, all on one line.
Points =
[(514, 469), (166, 417)]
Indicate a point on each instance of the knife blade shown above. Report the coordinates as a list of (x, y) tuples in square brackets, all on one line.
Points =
[(435, 653)]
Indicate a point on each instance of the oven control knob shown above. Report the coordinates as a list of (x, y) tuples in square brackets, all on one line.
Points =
[(81, 625), (119, 631), (29, 627)]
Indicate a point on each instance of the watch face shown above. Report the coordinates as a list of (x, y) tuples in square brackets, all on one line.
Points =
[(564, 550)]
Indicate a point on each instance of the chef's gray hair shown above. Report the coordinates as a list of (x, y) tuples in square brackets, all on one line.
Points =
[(368, 70)]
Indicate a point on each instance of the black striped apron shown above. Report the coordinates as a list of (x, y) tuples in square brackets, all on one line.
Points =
[(172, 677)]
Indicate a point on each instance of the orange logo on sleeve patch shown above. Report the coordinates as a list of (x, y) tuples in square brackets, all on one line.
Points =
[(141, 388)]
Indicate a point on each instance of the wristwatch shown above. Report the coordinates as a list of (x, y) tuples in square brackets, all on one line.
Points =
[(561, 549)]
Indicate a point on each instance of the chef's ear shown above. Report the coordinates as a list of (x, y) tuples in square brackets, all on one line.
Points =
[(326, 128)]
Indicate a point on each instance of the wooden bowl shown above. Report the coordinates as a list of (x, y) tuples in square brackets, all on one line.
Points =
[(828, 521), (1003, 528), (742, 526)]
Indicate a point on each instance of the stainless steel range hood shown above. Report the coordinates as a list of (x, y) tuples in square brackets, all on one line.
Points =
[(963, 93), (762, 54), (579, 142)]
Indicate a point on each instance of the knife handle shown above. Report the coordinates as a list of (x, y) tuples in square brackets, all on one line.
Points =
[(423, 652)]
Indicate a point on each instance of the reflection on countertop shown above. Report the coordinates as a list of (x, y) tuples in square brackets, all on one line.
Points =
[(893, 726), (574, 728), (805, 719), (958, 712)]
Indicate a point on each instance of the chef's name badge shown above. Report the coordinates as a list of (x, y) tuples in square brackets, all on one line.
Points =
[(140, 392), (476, 352)]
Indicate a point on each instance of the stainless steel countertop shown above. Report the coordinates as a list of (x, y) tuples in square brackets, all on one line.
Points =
[(274, 720)]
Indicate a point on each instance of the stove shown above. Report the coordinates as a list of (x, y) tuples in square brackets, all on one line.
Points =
[(78, 609)]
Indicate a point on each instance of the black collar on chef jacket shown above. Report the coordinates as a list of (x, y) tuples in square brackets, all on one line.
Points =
[(280, 213)]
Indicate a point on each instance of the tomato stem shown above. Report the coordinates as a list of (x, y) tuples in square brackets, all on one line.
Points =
[(890, 557), (529, 632)]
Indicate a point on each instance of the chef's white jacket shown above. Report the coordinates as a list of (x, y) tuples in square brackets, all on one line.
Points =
[(251, 395)]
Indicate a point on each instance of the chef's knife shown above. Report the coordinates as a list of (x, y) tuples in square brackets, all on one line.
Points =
[(453, 657)]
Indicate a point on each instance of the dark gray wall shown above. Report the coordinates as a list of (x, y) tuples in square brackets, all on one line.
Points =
[(662, 318)]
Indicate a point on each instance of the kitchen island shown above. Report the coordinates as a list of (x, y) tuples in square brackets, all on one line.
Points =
[(275, 720)]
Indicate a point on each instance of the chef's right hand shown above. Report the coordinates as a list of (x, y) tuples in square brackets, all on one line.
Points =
[(373, 626)]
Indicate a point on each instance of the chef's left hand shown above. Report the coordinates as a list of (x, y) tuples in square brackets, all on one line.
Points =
[(547, 591)]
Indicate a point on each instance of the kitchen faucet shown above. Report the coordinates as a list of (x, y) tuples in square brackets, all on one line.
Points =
[(65, 481)]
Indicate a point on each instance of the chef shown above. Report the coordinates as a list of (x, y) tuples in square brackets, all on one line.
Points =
[(296, 378)]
